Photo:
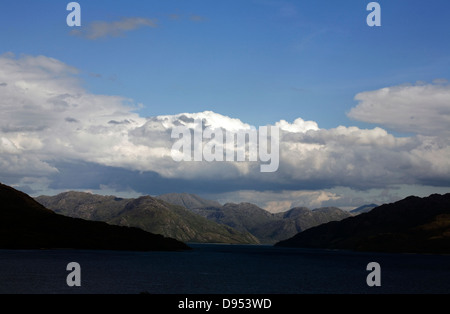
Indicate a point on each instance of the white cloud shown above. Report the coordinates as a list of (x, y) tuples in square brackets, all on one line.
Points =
[(419, 109), (298, 126), (46, 117), (46, 113)]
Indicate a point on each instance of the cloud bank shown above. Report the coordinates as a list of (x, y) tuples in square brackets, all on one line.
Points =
[(420, 109), (49, 123)]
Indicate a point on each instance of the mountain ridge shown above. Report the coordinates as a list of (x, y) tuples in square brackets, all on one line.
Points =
[(187, 200), (239, 222), (26, 224), (148, 213), (269, 227), (411, 225)]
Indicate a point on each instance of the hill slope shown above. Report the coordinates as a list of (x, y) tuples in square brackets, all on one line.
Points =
[(84, 205), (189, 201), (418, 225), (267, 227), (148, 213), (26, 224)]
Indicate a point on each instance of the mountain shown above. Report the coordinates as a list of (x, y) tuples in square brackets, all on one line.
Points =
[(244, 217), (414, 225), (267, 227), (189, 201), (306, 218), (190, 218), (84, 205), (26, 224), (148, 213), (363, 209)]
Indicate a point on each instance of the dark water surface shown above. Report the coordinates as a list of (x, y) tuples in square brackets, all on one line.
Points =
[(222, 269)]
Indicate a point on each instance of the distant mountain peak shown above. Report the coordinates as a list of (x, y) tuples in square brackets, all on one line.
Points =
[(363, 209)]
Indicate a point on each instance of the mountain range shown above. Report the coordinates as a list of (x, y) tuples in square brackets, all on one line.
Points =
[(148, 213), (269, 228), (190, 218), (411, 225), (26, 224)]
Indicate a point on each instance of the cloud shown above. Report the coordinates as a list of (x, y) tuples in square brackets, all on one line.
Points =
[(298, 126), (71, 120), (102, 29), (420, 109), (364, 159), (47, 115), (55, 132)]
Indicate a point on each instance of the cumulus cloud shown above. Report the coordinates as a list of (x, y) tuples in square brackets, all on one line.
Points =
[(420, 108), (298, 126), (101, 29), (46, 114), (48, 122)]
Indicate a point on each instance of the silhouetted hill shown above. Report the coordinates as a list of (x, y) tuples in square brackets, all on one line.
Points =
[(26, 224), (363, 209), (148, 213), (416, 225)]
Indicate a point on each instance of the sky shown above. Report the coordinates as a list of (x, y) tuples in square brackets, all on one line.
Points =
[(363, 112)]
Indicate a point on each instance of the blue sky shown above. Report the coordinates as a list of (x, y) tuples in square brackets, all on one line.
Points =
[(261, 61), (256, 61)]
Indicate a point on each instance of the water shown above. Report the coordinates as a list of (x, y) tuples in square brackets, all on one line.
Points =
[(222, 269)]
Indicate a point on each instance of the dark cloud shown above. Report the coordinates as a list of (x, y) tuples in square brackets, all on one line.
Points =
[(186, 119), (119, 122), (78, 175), (71, 120)]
